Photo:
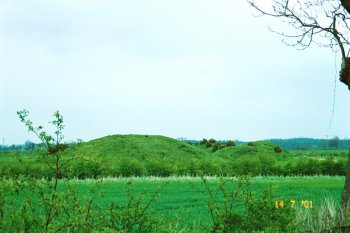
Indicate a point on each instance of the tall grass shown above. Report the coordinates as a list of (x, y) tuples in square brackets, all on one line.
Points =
[(325, 218)]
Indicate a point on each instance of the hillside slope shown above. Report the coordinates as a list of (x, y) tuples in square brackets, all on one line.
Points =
[(253, 149), (138, 147)]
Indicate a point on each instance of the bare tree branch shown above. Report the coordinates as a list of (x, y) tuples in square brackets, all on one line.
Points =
[(321, 22)]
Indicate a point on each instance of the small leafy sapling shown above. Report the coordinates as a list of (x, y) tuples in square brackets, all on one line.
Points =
[(52, 156)]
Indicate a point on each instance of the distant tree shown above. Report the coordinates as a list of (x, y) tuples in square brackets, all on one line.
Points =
[(208, 144), (230, 143), (334, 142), (215, 147), (212, 140), (28, 145), (277, 149), (203, 141)]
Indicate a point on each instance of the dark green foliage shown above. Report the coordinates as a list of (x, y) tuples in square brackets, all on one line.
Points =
[(334, 142), (230, 143), (215, 147), (160, 167), (209, 168), (203, 141), (212, 141), (208, 144), (131, 167), (83, 169), (277, 149)]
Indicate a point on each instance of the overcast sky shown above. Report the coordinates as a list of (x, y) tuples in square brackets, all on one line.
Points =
[(178, 68)]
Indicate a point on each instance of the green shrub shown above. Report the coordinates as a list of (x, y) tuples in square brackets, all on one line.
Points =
[(160, 167), (131, 167), (328, 166), (230, 143), (262, 214), (83, 169), (194, 168), (208, 167), (288, 169), (215, 148), (247, 166), (277, 149), (181, 167), (208, 144), (267, 165), (212, 141), (203, 141)]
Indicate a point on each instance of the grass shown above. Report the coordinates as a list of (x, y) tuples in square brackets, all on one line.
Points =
[(183, 197)]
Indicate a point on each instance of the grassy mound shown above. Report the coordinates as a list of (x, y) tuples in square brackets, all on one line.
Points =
[(251, 149), (146, 155), (138, 147), (128, 155)]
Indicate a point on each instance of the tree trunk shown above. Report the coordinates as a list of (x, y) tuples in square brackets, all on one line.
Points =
[(345, 202), (346, 5)]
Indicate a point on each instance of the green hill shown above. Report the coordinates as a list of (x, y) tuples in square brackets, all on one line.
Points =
[(146, 155), (138, 147), (128, 155), (252, 149)]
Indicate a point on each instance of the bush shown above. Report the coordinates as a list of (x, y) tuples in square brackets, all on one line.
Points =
[(247, 166), (328, 166), (230, 143), (131, 167), (277, 149), (212, 141), (262, 214), (83, 169), (215, 148), (160, 167), (203, 141), (267, 165), (208, 144), (194, 167), (208, 167)]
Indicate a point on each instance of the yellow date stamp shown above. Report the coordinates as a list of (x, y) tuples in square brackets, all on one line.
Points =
[(307, 204)]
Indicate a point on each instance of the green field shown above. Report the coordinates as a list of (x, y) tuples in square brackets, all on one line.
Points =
[(182, 194), (184, 200)]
